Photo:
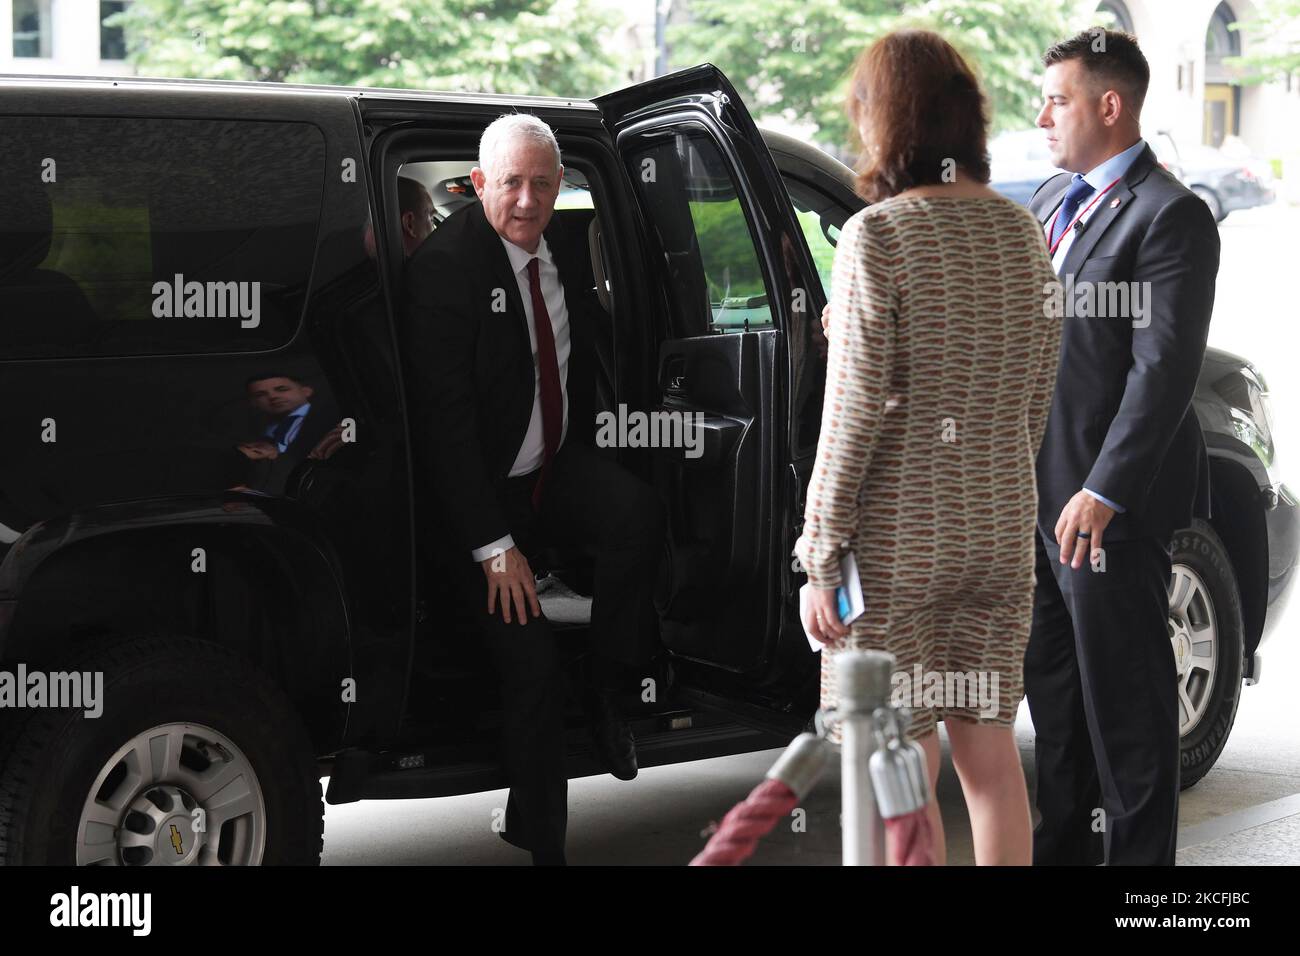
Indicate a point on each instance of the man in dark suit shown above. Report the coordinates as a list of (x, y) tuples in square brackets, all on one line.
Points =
[(503, 379), (417, 212), (1122, 460), (292, 419)]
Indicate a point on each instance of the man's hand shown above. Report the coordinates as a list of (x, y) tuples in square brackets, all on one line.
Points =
[(328, 445), (826, 320), (509, 576), (1082, 514), (259, 448), (823, 618)]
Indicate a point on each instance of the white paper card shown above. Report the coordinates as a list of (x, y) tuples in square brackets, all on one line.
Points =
[(848, 596)]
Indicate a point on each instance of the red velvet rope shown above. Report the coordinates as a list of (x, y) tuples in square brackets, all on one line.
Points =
[(747, 823)]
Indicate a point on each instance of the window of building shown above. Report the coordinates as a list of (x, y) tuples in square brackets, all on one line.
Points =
[(128, 236), (112, 36), (33, 31), (1221, 40), (1120, 19)]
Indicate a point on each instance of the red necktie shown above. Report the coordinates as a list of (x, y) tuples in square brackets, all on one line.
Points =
[(549, 370)]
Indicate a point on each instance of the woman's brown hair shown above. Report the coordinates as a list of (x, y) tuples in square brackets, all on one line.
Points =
[(922, 110)]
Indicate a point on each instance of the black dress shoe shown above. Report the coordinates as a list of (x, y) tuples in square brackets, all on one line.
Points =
[(514, 841), (542, 857), (611, 735)]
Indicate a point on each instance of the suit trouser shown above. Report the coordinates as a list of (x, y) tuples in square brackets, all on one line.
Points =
[(588, 502), (1102, 688)]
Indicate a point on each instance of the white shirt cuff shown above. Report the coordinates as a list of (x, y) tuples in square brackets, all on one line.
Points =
[(499, 546), (1106, 501)]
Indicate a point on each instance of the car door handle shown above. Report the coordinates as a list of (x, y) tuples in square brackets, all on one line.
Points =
[(674, 375)]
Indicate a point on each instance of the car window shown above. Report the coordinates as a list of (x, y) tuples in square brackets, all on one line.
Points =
[(821, 219), (125, 236), (716, 282)]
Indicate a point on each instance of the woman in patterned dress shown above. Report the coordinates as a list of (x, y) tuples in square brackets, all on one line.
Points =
[(940, 371)]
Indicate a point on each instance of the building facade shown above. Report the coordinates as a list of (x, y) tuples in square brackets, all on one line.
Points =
[(62, 37), (1195, 93)]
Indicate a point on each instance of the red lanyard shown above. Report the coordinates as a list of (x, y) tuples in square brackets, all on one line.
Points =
[(1066, 231)]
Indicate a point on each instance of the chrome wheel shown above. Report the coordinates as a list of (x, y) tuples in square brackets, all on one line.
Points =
[(1194, 633), (174, 795)]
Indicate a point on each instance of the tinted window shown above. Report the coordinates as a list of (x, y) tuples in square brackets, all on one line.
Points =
[(716, 282), (136, 236), (821, 220)]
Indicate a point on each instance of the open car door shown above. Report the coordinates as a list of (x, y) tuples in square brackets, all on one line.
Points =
[(735, 277)]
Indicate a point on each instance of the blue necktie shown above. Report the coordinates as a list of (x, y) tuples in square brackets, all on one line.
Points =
[(282, 429), (1069, 206)]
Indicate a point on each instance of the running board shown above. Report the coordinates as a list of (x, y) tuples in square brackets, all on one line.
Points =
[(785, 726), (360, 775)]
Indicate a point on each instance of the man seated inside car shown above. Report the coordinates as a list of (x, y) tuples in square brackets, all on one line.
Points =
[(417, 212), (503, 389), (416, 215)]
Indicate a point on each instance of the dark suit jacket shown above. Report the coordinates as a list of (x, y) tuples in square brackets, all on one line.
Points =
[(1121, 422), (471, 368)]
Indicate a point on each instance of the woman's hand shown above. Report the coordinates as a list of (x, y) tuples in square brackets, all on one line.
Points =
[(822, 619), (826, 320)]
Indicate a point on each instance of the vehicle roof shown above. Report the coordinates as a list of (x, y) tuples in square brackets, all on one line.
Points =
[(251, 88)]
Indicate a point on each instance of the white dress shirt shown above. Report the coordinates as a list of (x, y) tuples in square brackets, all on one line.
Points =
[(1098, 178), (533, 449)]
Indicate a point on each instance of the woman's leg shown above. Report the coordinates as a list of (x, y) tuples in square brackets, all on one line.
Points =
[(993, 781)]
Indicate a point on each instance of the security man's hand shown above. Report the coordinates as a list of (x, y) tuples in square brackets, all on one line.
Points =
[(1080, 528)]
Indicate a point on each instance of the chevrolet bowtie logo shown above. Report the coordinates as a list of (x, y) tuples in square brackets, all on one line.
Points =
[(176, 841)]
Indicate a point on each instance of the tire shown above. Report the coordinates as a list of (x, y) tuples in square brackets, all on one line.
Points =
[(208, 729), (1211, 199), (1204, 596)]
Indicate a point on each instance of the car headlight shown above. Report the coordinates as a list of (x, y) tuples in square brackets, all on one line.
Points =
[(1252, 416)]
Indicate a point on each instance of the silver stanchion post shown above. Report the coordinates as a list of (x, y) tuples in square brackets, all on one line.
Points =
[(863, 678)]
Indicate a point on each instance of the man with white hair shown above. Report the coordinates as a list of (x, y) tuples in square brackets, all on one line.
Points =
[(502, 366)]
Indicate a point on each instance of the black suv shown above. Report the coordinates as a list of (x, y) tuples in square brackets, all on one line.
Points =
[(185, 266)]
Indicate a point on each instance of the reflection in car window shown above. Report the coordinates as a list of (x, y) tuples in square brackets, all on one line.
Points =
[(124, 235), (716, 282)]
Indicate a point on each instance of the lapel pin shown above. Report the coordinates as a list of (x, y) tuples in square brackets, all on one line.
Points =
[(1115, 202)]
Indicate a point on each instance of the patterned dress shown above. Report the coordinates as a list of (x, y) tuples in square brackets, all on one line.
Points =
[(940, 373)]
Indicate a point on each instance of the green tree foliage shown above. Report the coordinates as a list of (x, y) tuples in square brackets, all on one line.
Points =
[(1271, 43), (516, 46), (794, 56)]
